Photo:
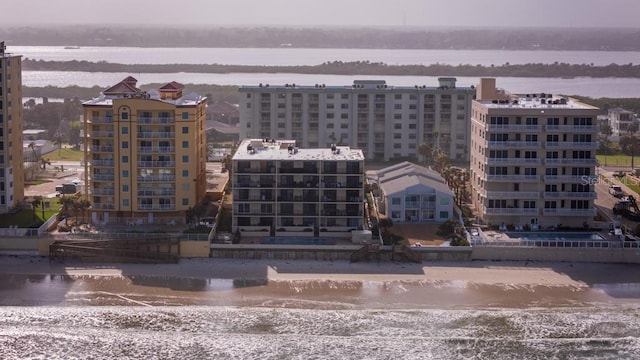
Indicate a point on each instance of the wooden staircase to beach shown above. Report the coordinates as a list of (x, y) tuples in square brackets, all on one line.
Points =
[(138, 250)]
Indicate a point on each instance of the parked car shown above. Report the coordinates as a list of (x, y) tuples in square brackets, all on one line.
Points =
[(616, 191)]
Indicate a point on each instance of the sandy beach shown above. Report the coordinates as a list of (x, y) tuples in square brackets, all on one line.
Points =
[(37, 281)]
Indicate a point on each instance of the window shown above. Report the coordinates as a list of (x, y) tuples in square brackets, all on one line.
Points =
[(529, 204), (125, 173), (344, 106), (125, 130), (550, 204), (344, 116), (125, 159), (125, 144), (185, 173), (330, 126), (444, 201), (395, 214), (125, 202), (344, 97), (397, 106), (185, 201), (185, 115), (125, 188), (185, 129), (344, 126), (397, 126), (444, 214), (125, 116), (412, 126), (185, 144), (398, 96), (396, 201), (185, 158)]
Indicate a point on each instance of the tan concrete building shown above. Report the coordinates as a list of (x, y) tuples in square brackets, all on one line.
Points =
[(146, 153), (11, 152), (533, 159), (282, 190)]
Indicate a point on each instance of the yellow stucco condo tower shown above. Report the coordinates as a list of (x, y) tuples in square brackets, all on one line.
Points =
[(11, 163), (146, 154)]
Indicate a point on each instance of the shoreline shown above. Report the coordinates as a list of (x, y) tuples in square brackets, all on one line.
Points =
[(480, 272)]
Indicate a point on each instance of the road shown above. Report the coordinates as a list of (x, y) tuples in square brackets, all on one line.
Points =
[(606, 201)]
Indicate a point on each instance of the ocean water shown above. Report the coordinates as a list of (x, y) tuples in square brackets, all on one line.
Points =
[(148, 317), (196, 332)]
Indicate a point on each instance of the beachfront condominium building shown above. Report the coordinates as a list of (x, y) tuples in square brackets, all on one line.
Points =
[(386, 122), (11, 163), (281, 189), (533, 159), (623, 122), (146, 153)]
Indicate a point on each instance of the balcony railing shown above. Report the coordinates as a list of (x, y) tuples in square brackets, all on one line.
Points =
[(154, 149), (570, 212), (572, 144), (102, 177), (108, 149), (571, 161), (103, 191), (156, 135), (102, 120), (157, 178), (512, 195), (156, 120), (514, 144), (156, 163), (156, 192), (99, 206), (511, 211), (101, 134), (105, 163), (570, 195), (513, 161), (572, 128), (156, 207), (582, 179), (513, 127), (512, 178)]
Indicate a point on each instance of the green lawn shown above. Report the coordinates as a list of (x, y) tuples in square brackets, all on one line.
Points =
[(631, 184), (618, 160), (64, 154), (25, 218)]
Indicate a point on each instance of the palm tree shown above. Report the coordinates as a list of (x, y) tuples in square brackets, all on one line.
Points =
[(44, 162), (35, 202), (32, 146), (57, 140), (426, 150)]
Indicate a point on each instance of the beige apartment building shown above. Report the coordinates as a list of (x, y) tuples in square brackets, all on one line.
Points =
[(280, 189), (386, 122), (533, 159), (11, 155), (146, 153)]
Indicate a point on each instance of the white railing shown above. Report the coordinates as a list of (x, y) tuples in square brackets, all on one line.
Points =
[(572, 144), (583, 179), (511, 211), (517, 178), (513, 127), (512, 195), (570, 212), (570, 195), (513, 161), (513, 144), (572, 128)]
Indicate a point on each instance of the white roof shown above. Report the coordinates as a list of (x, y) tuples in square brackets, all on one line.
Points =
[(265, 149)]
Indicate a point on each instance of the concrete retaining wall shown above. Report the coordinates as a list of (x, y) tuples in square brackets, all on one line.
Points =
[(594, 255)]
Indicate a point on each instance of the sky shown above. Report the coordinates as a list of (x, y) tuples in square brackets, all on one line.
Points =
[(395, 13)]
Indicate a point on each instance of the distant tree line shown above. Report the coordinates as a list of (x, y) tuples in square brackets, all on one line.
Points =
[(555, 69), (343, 37)]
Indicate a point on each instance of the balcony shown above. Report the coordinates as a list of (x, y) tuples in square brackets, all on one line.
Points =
[(161, 192), (513, 161), (156, 163), (512, 178), (156, 135), (571, 161), (103, 191), (106, 149), (156, 120), (102, 163), (157, 178), (99, 206), (572, 128), (524, 195), (156, 207), (513, 144), (572, 145), (154, 149), (102, 177), (101, 134), (570, 212), (102, 120), (511, 211), (514, 128), (582, 179), (569, 195)]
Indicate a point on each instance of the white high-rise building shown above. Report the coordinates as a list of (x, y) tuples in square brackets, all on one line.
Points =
[(533, 159), (386, 122)]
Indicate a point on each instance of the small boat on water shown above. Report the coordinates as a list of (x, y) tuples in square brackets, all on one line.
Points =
[(72, 47)]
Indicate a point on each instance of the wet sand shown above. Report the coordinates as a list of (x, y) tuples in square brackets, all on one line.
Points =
[(29, 281)]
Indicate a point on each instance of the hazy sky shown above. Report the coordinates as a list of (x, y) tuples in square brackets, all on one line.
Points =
[(471, 13)]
